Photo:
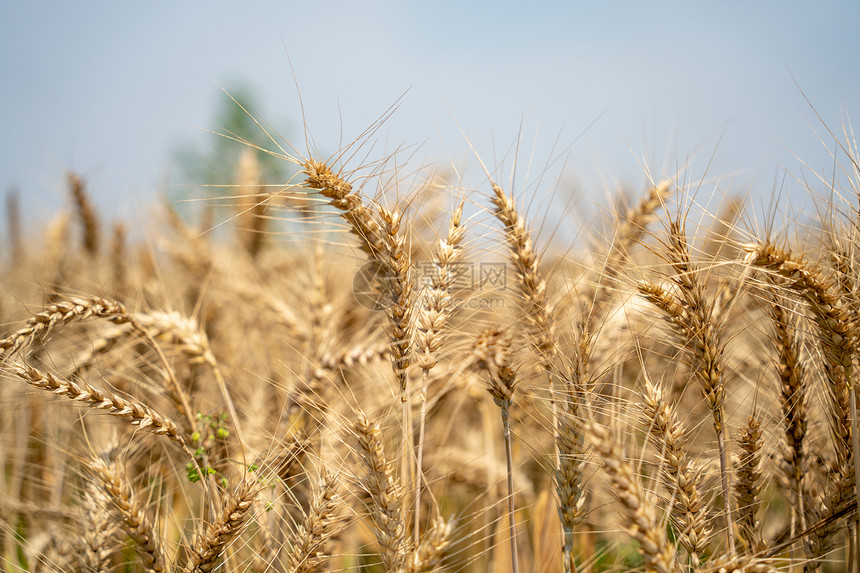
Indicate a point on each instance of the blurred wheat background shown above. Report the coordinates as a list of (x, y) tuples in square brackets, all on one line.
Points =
[(330, 343)]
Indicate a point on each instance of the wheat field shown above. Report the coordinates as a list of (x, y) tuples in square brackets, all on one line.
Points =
[(363, 370)]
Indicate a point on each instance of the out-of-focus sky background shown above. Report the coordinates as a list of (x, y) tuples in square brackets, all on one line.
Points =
[(113, 89)]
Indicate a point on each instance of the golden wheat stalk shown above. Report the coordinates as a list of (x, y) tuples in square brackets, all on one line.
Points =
[(235, 511), (130, 513), (385, 492), (682, 473), (61, 313), (698, 322), (306, 545), (658, 553), (136, 413)]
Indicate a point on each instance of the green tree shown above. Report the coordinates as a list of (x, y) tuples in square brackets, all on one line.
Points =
[(207, 167)]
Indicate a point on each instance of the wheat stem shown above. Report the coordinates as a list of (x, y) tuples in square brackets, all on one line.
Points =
[(505, 405), (492, 352)]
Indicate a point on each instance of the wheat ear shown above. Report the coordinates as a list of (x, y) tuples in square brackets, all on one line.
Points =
[(388, 251), (73, 309), (13, 227), (569, 386), (428, 554), (793, 402), (694, 318), (334, 186), (398, 284), (251, 219), (136, 413), (436, 302), (644, 527), (308, 540), (86, 213), (395, 261), (837, 332), (235, 511), (385, 245), (119, 261), (683, 475), (130, 513), (748, 484), (385, 492), (492, 353), (94, 550), (843, 260), (532, 286), (61, 313), (359, 355), (837, 337), (433, 314)]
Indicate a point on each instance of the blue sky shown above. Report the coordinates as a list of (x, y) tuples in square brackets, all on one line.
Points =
[(111, 89)]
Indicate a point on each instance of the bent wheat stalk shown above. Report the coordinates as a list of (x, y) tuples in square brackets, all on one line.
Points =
[(136, 413), (838, 339)]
